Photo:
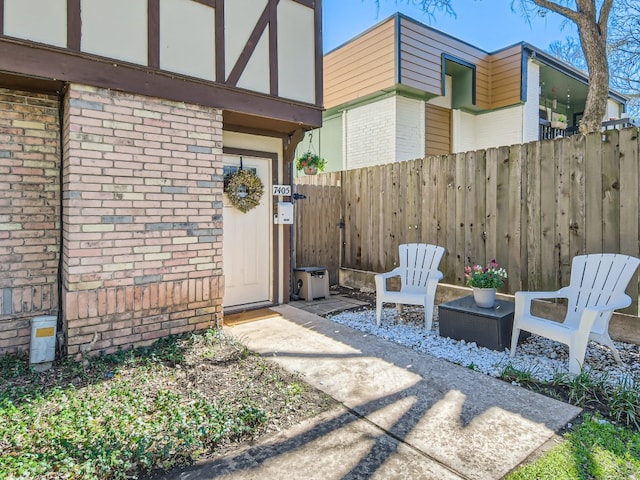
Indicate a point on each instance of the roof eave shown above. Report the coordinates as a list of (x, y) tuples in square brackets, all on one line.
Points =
[(569, 70)]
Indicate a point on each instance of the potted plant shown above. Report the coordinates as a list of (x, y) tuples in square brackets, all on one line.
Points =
[(310, 163), (485, 281), (560, 123)]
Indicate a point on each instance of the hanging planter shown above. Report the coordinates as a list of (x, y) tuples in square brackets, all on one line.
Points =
[(310, 163), (310, 170), (244, 190)]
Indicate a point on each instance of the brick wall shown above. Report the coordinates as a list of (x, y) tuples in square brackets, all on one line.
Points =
[(492, 129), (410, 129), (29, 213), (142, 250), (385, 131), (370, 134)]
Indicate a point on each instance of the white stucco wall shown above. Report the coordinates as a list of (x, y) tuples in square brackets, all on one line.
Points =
[(256, 74), (241, 17), (113, 29), (50, 26), (296, 52), (119, 30), (192, 54)]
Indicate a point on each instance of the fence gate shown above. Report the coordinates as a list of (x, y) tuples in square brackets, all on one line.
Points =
[(318, 223)]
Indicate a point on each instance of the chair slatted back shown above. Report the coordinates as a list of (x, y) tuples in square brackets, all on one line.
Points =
[(596, 280), (418, 260)]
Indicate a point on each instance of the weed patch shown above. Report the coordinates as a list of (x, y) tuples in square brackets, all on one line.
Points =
[(116, 416)]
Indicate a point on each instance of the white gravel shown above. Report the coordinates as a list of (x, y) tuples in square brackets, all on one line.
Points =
[(540, 357)]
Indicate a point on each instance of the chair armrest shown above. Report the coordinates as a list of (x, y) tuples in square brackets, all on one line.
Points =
[(528, 296), (617, 303), (381, 279), (393, 273), (435, 276), (523, 300), (432, 283), (590, 314)]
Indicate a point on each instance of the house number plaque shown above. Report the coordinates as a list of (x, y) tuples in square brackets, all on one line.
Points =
[(283, 190)]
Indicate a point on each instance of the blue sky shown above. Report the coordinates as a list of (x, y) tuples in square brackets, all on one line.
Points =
[(487, 24)]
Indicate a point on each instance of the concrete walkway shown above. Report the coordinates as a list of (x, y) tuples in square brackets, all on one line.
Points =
[(323, 306), (404, 415)]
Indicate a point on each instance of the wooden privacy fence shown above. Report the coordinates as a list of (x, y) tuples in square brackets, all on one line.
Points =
[(531, 207), (318, 223)]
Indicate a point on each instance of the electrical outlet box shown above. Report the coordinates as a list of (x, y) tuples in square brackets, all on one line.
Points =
[(43, 339)]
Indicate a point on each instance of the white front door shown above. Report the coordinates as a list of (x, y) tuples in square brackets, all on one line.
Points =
[(247, 240)]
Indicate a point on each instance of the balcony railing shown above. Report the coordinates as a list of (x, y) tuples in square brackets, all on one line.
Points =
[(618, 124), (547, 132)]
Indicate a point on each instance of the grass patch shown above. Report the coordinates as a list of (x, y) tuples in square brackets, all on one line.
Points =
[(617, 403), (603, 444), (523, 378), (594, 449), (118, 416), (624, 404)]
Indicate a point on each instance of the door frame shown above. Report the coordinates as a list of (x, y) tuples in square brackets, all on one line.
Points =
[(275, 257)]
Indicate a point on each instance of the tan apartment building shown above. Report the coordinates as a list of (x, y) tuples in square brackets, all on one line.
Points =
[(403, 90)]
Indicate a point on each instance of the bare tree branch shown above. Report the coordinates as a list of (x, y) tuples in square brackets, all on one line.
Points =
[(561, 9), (605, 11)]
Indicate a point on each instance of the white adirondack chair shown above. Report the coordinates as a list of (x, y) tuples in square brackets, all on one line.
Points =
[(419, 277), (596, 289)]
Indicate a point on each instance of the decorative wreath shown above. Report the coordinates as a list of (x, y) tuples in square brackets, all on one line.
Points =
[(244, 190)]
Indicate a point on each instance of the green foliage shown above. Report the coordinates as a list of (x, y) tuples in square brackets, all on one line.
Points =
[(294, 390), (114, 430), (618, 402), (12, 366), (606, 445), (114, 426), (309, 159), (492, 276), (525, 378), (624, 404), (588, 390), (595, 449)]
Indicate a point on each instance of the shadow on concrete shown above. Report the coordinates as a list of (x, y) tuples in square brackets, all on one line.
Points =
[(406, 414)]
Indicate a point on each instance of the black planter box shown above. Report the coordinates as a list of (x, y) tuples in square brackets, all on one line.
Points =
[(462, 319)]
